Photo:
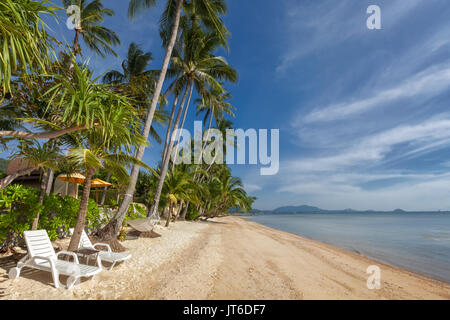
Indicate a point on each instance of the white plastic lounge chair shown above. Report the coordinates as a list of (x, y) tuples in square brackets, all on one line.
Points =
[(108, 256), (42, 256)]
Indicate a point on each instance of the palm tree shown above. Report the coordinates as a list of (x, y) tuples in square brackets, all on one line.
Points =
[(105, 147), (23, 33), (38, 156), (213, 103), (195, 63), (137, 82), (98, 38), (177, 187), (133, 67), (170, 21), (197, 68)]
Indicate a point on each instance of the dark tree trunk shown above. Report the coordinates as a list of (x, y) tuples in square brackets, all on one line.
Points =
[(76, 42), (50, 180), (6, 181), (183, 215), (81, 221), (42, 191), (169, 214), (105, 190)]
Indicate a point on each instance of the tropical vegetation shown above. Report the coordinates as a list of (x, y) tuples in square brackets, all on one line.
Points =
[(58, 117)]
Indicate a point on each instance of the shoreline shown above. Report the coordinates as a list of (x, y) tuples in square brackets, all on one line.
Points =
[(356, 252), (230, 258)]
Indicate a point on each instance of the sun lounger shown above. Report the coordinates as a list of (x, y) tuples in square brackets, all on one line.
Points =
[(108, 256), (42, 256)]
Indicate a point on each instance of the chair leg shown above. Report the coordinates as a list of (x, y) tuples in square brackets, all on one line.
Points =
[(55, 276), (99, 262), (112, 265)]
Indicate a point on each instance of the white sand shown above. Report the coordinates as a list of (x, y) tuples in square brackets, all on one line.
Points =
[(230, 258)]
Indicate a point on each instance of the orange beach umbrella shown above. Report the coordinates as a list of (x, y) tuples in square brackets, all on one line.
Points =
[(73, 178), (97, 183)]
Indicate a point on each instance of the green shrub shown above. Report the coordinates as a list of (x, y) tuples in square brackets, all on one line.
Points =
[(59, 214), (19, 206), (192, 213)]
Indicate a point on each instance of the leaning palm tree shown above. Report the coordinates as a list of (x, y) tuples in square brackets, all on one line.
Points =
[(98, 38), (197, 67), (170, 22), (107, 147), (194, 64)]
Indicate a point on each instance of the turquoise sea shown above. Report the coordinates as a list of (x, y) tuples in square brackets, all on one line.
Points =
[(419, 242)]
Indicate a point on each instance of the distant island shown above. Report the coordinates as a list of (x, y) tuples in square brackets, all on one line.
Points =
[(311, 209)]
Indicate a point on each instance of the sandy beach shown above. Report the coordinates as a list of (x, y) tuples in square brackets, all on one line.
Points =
[(229, 258)]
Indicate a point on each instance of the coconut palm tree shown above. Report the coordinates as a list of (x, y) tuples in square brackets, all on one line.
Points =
[(97, 38), (208, 13), (197, 67), (194, 62), (177, 187), (134, 68)]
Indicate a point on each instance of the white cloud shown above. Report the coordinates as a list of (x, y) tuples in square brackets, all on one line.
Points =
[(372, 149), (427, 83), (251, 187)]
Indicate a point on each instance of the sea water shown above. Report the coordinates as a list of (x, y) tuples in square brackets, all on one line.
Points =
[(419, 242)]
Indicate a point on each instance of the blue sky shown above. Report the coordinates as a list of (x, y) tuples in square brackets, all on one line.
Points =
[(363, 114)]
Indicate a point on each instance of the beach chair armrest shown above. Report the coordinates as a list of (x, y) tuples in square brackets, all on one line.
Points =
[(103, 245), (51, 261), (73, 254)]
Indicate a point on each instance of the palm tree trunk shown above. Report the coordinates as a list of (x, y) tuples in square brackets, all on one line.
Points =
[(113, 228), (43, 188), (169, 128), (105, 190), (169, 214), (178, 212), (42, 135), (6, 181), (182, 123), (81, 220), (50, 180), (76, 42), (165, 164), (186, 207)]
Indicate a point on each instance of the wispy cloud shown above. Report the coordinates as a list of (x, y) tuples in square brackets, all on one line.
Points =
[(319, 25), (371, 150), (424, 84)]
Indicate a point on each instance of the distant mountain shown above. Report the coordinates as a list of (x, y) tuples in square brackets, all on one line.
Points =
[(298, 209), (310, 209)]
